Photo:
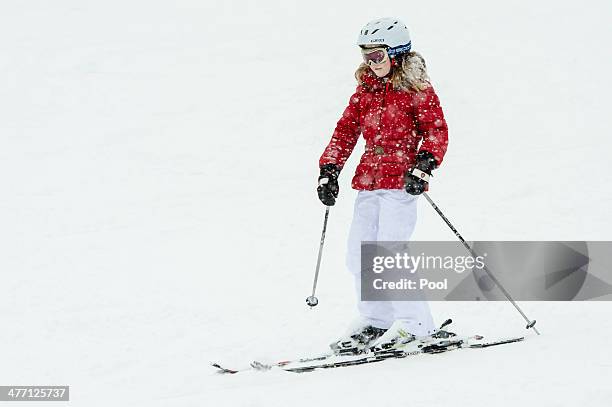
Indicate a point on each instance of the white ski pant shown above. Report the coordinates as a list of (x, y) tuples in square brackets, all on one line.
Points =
[(385, 214)]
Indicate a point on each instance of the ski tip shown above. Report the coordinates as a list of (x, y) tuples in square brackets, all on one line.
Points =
[(223, 370), (497, 342)]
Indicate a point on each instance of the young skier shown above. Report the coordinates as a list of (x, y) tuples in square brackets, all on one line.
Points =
[(395, 108)]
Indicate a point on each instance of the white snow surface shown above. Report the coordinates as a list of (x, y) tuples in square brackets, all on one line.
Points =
[(158, 166)]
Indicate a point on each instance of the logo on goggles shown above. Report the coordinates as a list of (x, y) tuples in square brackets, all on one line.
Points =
[(399, 49)]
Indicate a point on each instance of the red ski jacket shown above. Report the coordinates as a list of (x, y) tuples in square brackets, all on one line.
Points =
[(393, 123)]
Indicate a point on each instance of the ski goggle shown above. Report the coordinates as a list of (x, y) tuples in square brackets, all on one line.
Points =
[(374, 55)]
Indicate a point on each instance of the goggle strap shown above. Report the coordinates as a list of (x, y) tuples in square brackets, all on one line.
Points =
[(399, 49)]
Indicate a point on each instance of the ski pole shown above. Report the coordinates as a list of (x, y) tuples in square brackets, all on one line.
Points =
[(312, 300), (530, 323)]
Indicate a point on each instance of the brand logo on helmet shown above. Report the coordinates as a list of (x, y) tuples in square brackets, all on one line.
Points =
[(378, 40)]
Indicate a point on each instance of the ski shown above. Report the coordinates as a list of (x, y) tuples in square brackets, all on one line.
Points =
[(428, 345), (259, 366), (416, 348)]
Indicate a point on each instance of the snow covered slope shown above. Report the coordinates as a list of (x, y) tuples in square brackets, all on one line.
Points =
[(158, 162)]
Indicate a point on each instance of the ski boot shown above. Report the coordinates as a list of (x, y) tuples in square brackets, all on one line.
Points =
[(359, 335), (393, 339)]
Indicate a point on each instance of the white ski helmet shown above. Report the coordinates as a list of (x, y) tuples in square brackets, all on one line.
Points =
[(391, 32)]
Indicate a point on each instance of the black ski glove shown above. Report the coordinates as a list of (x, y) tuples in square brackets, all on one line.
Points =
[(328, 184), (417, 179)]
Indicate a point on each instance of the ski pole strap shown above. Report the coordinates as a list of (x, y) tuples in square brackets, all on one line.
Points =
[(420, 174)]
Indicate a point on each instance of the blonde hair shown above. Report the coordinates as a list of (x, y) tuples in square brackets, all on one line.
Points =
[(409, 73)]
